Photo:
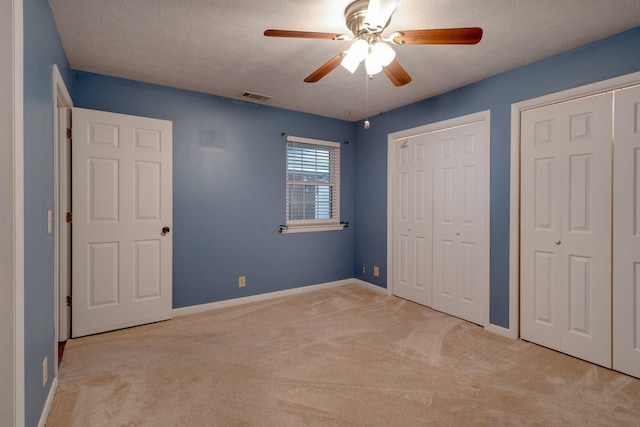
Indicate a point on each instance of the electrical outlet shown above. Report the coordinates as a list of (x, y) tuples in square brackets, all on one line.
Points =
[(376, 271), (45, 372), (364, 268), (242, 281)]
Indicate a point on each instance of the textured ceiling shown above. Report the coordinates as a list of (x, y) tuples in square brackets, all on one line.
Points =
[(218, 47)]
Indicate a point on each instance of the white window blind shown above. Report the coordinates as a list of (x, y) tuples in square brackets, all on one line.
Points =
[(313, 185)]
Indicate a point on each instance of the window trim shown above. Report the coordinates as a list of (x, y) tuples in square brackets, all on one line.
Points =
[(312, 225)]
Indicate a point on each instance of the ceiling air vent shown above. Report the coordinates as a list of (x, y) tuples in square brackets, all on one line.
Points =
[(255, 96)]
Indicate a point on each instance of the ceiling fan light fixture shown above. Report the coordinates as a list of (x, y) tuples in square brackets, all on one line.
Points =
[(372, 64), (367, 20), (356, 53), (383, 53)]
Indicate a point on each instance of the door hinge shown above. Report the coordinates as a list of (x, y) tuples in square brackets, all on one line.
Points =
[(69, 133), (69, 300), (69, 217)]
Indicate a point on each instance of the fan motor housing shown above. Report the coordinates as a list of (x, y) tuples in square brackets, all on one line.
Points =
[(354, 16)]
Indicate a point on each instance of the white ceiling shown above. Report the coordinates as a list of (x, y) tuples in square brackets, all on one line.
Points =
[(218, 47)]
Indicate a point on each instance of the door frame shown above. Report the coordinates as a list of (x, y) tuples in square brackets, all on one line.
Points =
[(61, 99), (401, 136), (514, 196), (12, 208)]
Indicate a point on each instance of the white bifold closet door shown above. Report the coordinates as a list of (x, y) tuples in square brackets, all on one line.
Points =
[(459, 193), (440, 195), (626, 233), (566, 179), (412, 214)]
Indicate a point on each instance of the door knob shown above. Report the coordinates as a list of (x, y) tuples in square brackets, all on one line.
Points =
[(457, 233), (557, 241), (165, 230)]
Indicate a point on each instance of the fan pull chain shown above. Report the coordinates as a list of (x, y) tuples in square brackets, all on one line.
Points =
[(366, 99)]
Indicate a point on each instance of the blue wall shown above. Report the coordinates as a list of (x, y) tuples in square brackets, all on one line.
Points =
[(229, 190), (42, 48), (607, 58)]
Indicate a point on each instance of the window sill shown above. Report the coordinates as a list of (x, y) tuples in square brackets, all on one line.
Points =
[(311, 228)]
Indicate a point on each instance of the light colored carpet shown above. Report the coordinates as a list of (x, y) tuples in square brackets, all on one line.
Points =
[(342, 356)]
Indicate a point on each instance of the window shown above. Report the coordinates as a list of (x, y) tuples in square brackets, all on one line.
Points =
[(313, 185)]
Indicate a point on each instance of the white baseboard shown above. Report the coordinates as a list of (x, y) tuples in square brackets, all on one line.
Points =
[(183, 311), (505, 332), (255, 298), (371, 286), (49, 402), (498, 330)]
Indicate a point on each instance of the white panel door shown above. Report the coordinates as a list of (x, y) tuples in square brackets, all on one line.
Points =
[(412, 221), (121, 201), (566, 227), (540, 224), (626, 233), (460, 259)]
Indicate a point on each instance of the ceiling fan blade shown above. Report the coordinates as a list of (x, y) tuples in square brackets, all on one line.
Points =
[(378, 14), (325, 69), (471, 35), (397, 74), (305, 35)]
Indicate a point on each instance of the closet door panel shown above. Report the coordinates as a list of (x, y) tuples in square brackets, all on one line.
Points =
[(586, 228), (540, 265), (458, 222), (412, 221), (446, 213), (626, 233)]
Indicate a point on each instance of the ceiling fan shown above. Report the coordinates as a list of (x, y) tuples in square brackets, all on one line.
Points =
[(367, 19)]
